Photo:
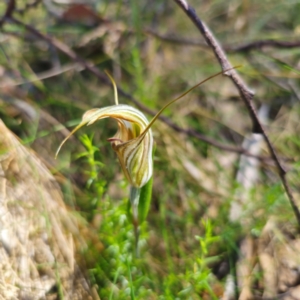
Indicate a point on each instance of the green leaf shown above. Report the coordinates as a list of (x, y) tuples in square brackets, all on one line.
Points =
[(145, 200)]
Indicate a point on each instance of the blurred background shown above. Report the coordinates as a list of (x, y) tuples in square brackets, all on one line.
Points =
[(215, 215)]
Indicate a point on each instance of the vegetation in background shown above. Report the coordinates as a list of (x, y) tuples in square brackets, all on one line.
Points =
[(187, 234)]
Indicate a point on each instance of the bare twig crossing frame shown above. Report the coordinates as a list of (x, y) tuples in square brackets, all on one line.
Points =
[(245, 93)]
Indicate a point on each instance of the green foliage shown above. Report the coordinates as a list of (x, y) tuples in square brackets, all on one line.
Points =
[(95, 184), (193, 180), (200, 276), (94, 164), (118, 272)]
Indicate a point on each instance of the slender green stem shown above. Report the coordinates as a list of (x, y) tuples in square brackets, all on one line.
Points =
[(132, 296), (114, 282), (134, 200)]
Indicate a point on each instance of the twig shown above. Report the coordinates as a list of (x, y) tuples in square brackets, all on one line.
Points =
[(246, 47), (28, 6), (103, 78), (261, 44), (175, 40), (9, 11), (245, 93), (44, 75)]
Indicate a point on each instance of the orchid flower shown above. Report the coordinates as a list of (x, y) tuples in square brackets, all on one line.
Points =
[(133, 141)]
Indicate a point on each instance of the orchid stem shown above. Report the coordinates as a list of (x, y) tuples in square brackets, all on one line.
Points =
[(134, 200)]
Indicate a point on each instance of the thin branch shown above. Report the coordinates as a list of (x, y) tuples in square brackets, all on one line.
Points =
[(261, 44), (9, 11), (44, 75), (29, 6), (103, 78), (245, 93), (246, 47), (174, 39)]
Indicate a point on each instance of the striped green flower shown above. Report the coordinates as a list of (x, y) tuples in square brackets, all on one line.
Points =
[(133, 141)]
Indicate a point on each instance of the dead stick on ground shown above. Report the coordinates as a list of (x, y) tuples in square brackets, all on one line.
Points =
[(245, 93)]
